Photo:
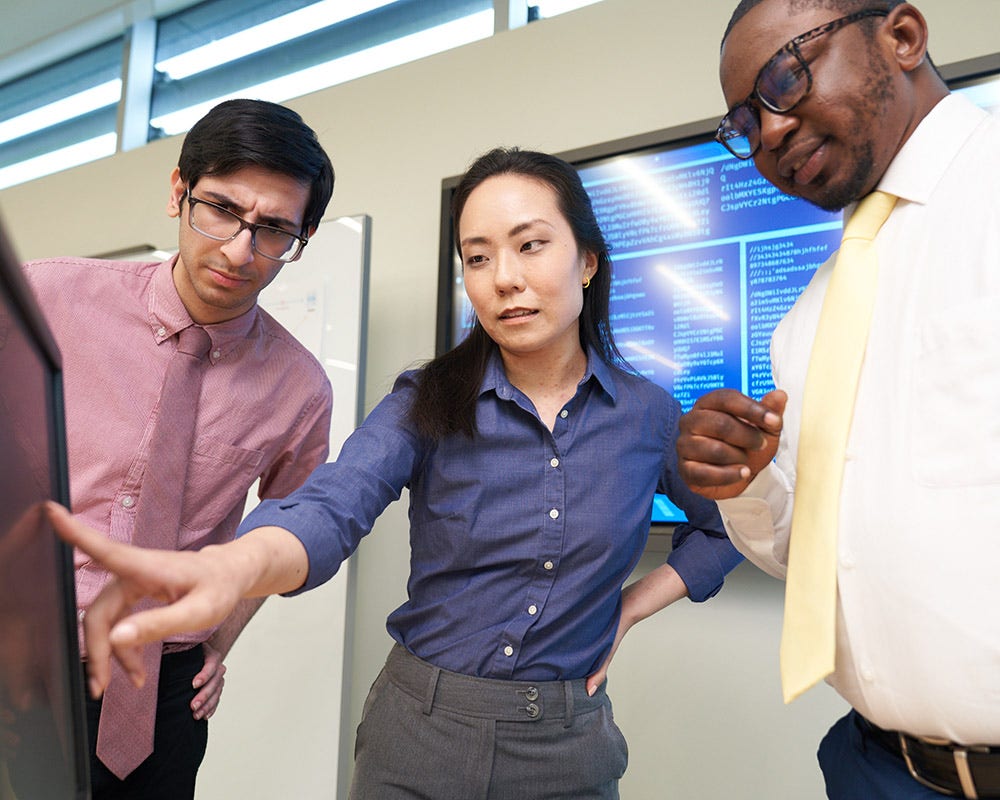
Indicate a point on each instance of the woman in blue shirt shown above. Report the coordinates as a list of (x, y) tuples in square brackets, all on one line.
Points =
[(531, 454)]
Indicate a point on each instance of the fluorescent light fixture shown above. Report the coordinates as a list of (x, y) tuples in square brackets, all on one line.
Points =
[(58, 160), (76, 105), (365, 62), (553, 8), (268, 34)]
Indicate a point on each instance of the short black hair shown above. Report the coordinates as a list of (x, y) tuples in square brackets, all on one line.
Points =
[(242, 133), (843, 6)]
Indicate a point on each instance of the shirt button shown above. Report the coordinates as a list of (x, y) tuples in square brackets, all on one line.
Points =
[(161, 331), (554, 513), (867, 673), (564, 413), (80, 614), (847, 561), (554, 462), (508, 651), (548, 565), (216, 353), (128, 501), (532, 609)]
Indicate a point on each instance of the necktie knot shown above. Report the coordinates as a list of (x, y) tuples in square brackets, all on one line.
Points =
[(868, 217), (194, 341)]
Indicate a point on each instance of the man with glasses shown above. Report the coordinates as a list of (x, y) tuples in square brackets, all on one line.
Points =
[(836, 101), (251, 186)]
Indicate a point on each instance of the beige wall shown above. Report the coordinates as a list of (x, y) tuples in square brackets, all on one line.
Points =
[(695, 688)]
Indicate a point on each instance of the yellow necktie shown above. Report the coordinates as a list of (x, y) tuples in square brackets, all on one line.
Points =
[(808, 638)]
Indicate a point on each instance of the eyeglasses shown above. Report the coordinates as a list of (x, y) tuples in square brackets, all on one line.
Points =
[(780, 86), (223, 225)]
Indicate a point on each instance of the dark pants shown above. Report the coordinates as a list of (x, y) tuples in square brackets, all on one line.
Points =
[(178, 744), (428, 733), (856, 767)]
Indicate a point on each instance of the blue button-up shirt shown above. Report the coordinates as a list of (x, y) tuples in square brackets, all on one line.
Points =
[(521, 538)]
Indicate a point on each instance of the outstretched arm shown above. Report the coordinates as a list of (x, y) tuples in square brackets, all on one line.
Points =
[(641, 599), (199, 589)]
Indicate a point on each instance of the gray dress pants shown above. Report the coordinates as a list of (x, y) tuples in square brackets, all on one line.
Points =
[(437, 735)]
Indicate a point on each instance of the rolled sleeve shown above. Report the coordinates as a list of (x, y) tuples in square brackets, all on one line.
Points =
[(339, 503), (309, 523), (702, 560), (759, 521)]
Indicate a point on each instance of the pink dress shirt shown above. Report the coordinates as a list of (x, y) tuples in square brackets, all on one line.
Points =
[(264, 412)]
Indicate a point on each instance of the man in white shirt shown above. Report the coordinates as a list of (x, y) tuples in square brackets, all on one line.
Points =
[(851, 103)]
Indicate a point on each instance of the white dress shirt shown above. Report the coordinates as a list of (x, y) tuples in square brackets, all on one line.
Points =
[(918, 629)]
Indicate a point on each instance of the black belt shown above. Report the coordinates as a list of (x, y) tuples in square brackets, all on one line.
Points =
[(957, 770)]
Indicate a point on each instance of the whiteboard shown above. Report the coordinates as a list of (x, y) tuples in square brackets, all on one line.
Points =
[(283, 710)]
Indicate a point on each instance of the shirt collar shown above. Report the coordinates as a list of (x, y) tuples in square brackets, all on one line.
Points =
[(495, 378), (168, 316), (925, 157)]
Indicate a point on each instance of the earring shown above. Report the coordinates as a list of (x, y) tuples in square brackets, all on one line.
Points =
[(586, 283)]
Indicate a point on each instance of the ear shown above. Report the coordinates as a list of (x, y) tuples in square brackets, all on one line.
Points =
[(590, 262), (177, 190), (907, 30)]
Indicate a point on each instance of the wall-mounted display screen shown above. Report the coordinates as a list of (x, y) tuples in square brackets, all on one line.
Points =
[(708, 256)]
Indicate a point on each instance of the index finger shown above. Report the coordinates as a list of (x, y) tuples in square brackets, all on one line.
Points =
[(77, 534)]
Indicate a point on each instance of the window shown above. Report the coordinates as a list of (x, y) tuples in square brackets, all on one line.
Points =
[(159, 76), (284, 49), (61, 116)]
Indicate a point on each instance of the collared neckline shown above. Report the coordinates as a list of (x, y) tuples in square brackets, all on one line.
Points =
[(495, 378), (926, 156), (168, 316)]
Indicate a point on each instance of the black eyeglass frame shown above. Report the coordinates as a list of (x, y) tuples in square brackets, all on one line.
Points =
[(727, 131), (253, 227)]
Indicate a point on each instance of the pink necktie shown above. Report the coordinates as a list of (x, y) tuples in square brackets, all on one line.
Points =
[(128, 714)]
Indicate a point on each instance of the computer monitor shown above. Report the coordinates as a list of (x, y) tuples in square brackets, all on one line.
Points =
[(43, 742)]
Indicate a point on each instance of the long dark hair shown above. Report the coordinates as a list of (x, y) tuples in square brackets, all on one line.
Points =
[(449, 385)]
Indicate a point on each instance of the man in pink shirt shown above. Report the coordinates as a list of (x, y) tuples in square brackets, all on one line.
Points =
[(251, 186)]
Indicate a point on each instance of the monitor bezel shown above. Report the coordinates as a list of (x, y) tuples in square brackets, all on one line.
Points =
[(29, 315)]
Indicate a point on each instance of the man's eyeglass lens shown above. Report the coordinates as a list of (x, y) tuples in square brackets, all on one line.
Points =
[(781, 85), (222, 225)]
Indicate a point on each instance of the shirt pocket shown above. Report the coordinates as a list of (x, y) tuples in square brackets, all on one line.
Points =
[(219, 476), (954, 425)]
